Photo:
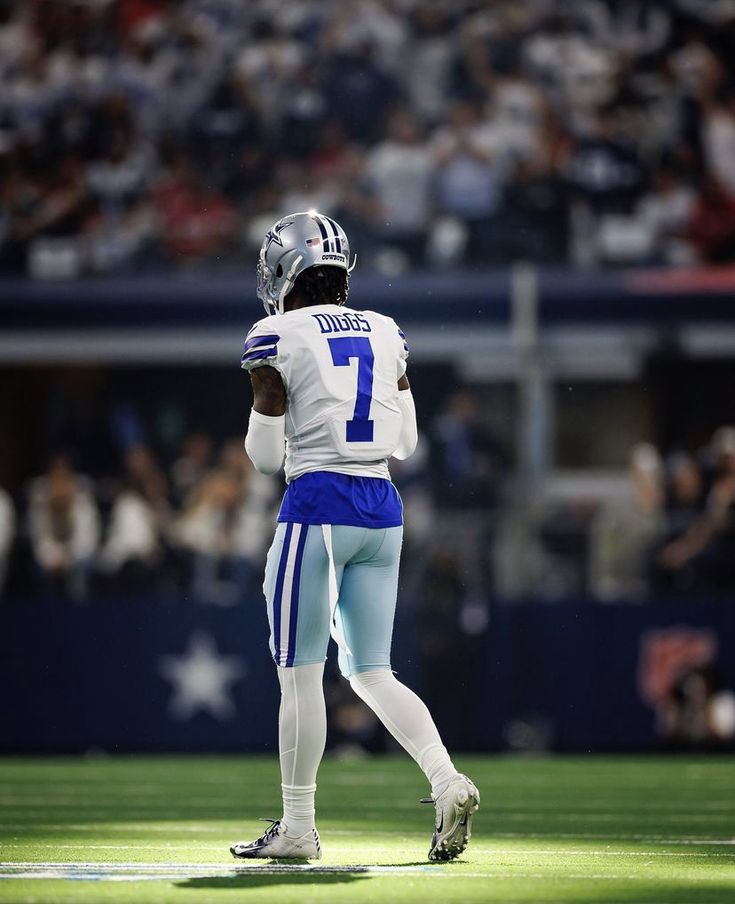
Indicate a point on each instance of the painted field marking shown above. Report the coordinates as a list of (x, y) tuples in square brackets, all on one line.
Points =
[(486, 848), (176, 871), (96, 872), (481, 837)]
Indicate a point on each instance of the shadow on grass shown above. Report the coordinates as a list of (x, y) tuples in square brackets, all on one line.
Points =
[(285, 873), (265, 880)]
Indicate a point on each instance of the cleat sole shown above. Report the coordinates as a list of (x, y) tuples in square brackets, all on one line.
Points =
[(456, 839)]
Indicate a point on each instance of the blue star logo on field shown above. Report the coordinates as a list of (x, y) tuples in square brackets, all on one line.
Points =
[(273, 237), (202, 679)]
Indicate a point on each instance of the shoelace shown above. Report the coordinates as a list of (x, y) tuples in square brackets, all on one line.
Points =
[(271, 831)]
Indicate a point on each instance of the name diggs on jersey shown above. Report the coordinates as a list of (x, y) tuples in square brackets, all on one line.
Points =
[(342, 323)]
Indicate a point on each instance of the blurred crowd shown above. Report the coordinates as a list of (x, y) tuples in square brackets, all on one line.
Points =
[(195, 523), (142, 134), (126, 511), (675, 534), (667, 531), (197, 531)]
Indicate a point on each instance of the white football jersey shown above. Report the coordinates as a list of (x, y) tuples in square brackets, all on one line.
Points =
[(340, 368)]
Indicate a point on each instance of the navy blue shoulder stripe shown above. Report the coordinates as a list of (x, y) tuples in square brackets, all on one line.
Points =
[(258, 354), (259, 341)]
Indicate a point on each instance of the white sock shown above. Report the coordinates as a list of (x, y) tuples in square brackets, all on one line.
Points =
[(406, 717), (302, 734)]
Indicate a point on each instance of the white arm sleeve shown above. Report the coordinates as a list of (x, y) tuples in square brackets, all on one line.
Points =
[(266, 442), (409, 431)]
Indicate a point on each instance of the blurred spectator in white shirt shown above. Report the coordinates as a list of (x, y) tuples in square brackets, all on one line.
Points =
[(7, 534), (625, 532), (470, 175), (718, 138), (268, 61), (224, 528), (189, 469), (399, 173), (665, 212), (64, 530), (132, 548), (426, 60)]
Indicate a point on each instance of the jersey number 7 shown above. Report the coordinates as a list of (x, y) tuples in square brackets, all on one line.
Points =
[(344, 349)]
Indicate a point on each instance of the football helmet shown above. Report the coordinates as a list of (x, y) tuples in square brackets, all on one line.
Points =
[(292, 245)]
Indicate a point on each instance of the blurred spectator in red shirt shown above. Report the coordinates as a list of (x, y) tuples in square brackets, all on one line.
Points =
[(196, 221), (712, 226)]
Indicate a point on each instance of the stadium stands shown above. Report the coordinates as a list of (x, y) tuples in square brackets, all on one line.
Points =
[(150, 135)]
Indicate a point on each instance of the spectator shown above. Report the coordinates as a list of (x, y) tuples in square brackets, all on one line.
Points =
[(64, 531), (227, 126), (718, 139), (189, 469), (266, 63), (132, 552), (665, 212), (470, 176), (214, 528), (604, 168), (196, 221), (142, 472), (425, 64), (358, 89), (537, 216), (624, 534), (700, 713), (712, 224), (7, 534), (703, 555), (398, 172), (468, 460), (121, 169)]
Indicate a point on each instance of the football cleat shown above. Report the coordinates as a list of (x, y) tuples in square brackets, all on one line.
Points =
[(276, 843), (454, 809)]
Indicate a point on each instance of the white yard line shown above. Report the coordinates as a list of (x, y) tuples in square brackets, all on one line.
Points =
[(484, 846), (163, 872)]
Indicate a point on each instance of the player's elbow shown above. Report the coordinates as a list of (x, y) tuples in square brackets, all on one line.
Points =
[(409, 435), (406, 447), (269, 467), (265, 442)]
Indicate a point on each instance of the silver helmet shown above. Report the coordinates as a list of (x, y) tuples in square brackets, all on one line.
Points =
[(292, 245)]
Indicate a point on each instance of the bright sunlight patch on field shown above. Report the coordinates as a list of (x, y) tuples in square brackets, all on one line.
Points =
[(149, 829)]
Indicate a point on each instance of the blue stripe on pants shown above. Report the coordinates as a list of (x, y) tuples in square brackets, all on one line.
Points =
[(293, 620), (277, 599), (296, 588)]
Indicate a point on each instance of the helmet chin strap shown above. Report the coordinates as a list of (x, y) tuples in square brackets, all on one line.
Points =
[(354, 262), (288, 283)]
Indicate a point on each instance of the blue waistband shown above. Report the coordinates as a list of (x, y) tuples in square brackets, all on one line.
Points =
[(323, 497)]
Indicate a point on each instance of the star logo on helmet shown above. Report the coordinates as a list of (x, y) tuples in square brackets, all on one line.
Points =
[(274, 235)]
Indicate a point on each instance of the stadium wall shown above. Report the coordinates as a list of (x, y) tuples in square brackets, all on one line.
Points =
[(124, 676)]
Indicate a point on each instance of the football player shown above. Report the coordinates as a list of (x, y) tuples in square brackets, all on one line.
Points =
[(331, 394)]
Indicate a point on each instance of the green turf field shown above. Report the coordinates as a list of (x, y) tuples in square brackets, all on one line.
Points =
[(550, 830)]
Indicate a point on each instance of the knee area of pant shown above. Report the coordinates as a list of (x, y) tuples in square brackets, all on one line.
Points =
[(371, 679), (310, 674)]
